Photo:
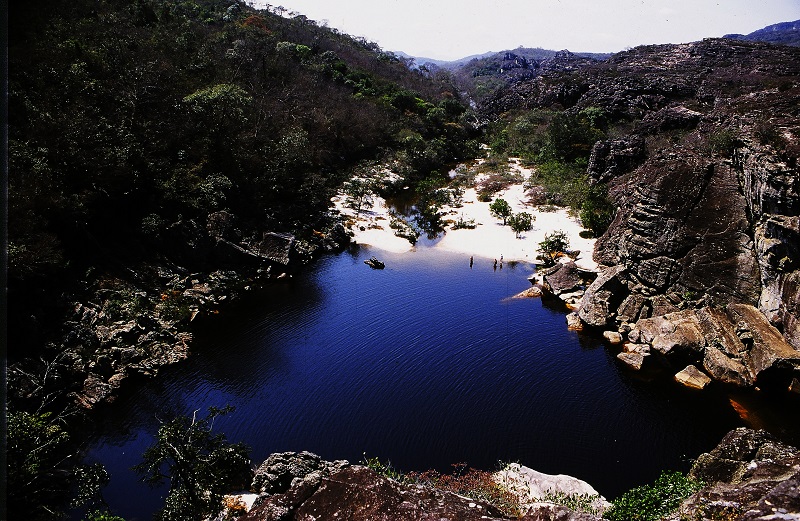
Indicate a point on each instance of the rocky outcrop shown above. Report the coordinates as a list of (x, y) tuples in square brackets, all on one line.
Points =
[(357, 493), (610, 159), (710, 213), (284, 470), (669, 118), (535, 489), (302, 486), (735, 346), (772, 189), (705, 184), (133, 323), (565, 281), (749, 476)]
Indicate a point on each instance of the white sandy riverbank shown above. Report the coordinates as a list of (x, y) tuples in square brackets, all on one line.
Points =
[(490, 239)]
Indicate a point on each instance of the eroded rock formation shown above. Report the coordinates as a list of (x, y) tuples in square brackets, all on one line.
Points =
[(750, 476)]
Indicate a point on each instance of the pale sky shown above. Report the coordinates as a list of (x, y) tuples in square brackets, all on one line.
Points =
[(453, 29)]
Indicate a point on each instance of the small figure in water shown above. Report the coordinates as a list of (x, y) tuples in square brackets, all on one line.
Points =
[(470, 261), (495, 264)]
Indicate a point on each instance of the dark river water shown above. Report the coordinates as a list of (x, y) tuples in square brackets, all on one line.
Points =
[(426, 363)]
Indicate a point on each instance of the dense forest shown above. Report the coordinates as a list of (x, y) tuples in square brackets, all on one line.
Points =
[(129, 124)]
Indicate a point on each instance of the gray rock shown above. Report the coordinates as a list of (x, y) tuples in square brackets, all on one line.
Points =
[(676, 333), (574, 322), (562, 278), (749, 476), (610, 159), (612, 337), (602, 298), (285, 469), (724, 369)]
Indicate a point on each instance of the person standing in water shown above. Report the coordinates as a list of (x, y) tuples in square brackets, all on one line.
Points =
[(470, 261)]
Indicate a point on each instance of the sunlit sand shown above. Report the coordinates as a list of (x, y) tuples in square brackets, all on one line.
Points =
[(490, 239)]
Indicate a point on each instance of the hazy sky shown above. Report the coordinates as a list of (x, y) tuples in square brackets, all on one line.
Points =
[(452, 29)]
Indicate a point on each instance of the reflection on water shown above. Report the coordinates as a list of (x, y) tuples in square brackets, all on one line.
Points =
[(425, 363)]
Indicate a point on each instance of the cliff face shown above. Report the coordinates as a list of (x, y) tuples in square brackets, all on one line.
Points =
[(706, 184), (701, 163), (772, 194)]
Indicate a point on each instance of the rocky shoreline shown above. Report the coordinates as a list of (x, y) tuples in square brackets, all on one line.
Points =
[(127, 327), (750, 476), (733, 344)]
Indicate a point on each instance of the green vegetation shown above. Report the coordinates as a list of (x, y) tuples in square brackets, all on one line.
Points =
[(102, 515), (586, 503), (200, 467), (500, 209), (126, 119), (131, 122), (43, 471), (521, 222), (653, 502), (557, 145), (552, 246), (386, 469)]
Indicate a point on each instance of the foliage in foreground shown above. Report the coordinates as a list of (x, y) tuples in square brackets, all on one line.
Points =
[(652, 502), (43, 470), (586, 503), (472, 483), (200, 467)]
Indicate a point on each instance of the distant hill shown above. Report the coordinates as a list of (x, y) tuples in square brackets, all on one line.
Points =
[(785, 33), (482, 75), (444, 64)]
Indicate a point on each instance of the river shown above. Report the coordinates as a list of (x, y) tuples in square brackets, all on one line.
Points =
[(425, 363)]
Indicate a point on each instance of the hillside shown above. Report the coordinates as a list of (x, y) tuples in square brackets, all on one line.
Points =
[(166, 157), (130, 125), (697, 147), (785, 33), (481, 76)]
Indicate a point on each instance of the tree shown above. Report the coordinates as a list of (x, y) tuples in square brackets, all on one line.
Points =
[(200, 467), (500, 209), (359, 193), (44, 476), (597, 211), (521, 222), (553, 244)]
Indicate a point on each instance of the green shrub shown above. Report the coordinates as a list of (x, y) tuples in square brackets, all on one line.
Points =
[(652, 502), (384, 469), (586, 503), (98, 515), (553, 244), (723, 142)]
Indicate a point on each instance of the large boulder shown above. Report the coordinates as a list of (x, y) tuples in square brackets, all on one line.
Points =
[(562, 278), (283, 470), (749, 476), (736, 345), (535, 488), (603, 296)]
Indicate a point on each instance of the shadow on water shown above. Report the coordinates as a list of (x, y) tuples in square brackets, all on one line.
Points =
[(425, 363)]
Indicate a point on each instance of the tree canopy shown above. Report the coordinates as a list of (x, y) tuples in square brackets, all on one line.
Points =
[(200, 466)]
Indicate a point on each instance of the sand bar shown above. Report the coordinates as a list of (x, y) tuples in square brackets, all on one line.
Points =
[(490, 239)]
